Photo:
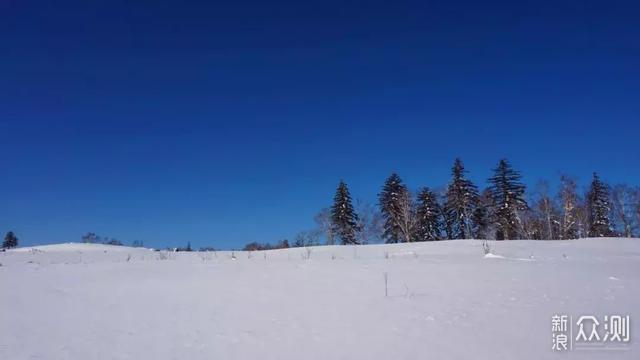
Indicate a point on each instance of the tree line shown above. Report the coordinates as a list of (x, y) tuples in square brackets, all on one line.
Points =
[(501, 211), (461, 211)]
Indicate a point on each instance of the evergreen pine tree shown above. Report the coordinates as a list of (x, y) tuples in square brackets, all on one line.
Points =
[(599, 208), (428, 222), (507, 193), (462, 200), (447, 221), (481, 216), (10, 240), (390, 200), (343, 218)]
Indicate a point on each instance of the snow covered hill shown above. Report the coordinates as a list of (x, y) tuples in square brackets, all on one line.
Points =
[(444, 300)]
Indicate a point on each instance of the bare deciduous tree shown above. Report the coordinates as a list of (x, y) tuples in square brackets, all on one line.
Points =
[(307, 238), (582, 218), (568, 197), (323, 221), (624, 208), (407, 218), (370, 223), (548, 213)]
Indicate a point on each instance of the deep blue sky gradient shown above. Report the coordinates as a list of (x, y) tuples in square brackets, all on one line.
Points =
[(222, 123)]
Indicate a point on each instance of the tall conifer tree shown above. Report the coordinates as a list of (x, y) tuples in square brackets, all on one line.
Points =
[(599, 208), (462, 200), (507, 193), (482, 216), (343, 218), (10, 240), (428, 222), (390, 201)]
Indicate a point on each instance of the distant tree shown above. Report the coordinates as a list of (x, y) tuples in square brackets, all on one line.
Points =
[(532, 225), (481, 216), (428, 216), (323, 222), (207, 248), (395, 205), (10, 240), (462, 200), (283, 244), (448, 219), (255, 246), (90, 238), (624, 208), (137, 243), (569, 201), (299, 240), (599, 208), (306, 238), (370, 224), (343, 218), (507, 192), (407, 219), (546, 212), (111, 241), (583, 216), (187, 248)]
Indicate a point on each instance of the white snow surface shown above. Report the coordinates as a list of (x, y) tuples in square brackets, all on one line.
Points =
[(446, 300)]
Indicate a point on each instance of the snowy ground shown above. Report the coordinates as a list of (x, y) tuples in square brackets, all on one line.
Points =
[(446, 300)]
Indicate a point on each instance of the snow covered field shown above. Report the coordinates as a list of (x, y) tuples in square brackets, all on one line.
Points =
[(445, 300)]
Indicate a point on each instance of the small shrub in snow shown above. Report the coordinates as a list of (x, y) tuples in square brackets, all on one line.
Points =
[(386, 284), (485, 247), (205, 256), (407, 292), (305, 255)]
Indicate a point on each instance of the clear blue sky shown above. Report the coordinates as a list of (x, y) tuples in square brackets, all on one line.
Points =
[(229, 122)]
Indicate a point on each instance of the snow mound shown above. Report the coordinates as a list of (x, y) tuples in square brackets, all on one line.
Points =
[(68, 247)]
